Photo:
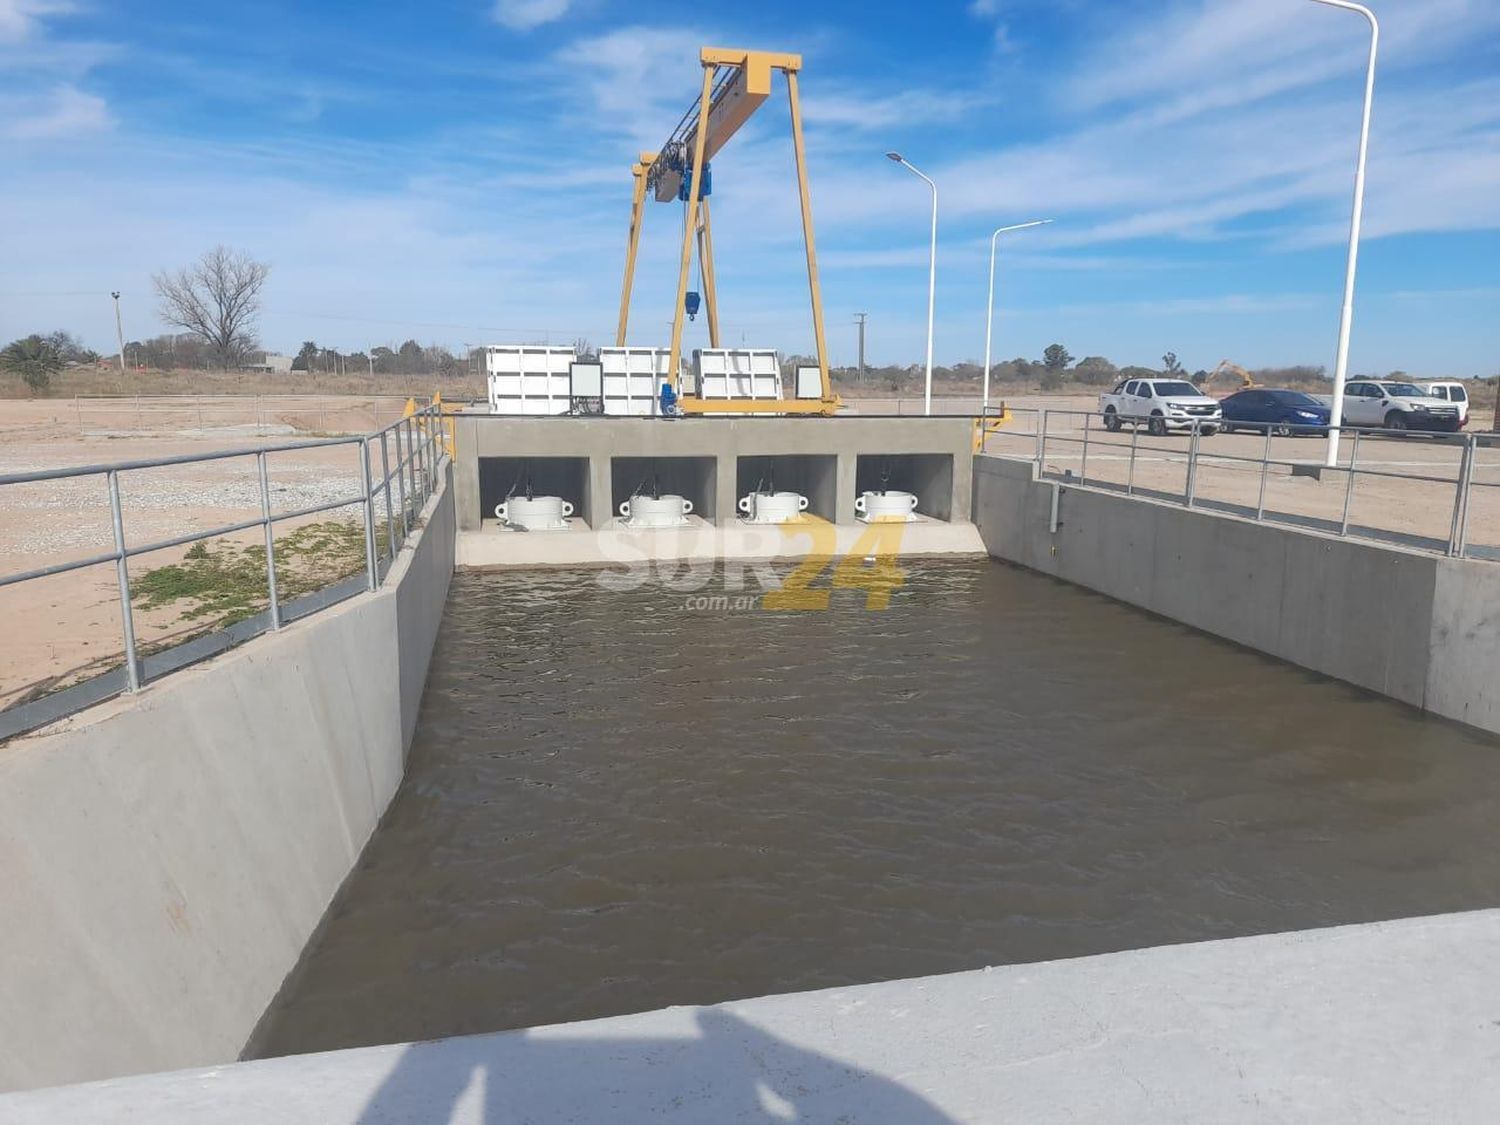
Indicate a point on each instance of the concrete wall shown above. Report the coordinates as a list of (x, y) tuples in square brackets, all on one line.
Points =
[(604, 440), (167, 855), (1416, 627), (1390, 1021)]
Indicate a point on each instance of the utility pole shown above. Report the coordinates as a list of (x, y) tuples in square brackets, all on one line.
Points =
[(861, 323), (119, 329)]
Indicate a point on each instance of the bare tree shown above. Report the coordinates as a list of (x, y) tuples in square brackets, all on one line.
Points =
[(216, 299)]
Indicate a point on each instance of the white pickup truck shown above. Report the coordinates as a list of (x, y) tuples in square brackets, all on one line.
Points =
[(1164, 405)]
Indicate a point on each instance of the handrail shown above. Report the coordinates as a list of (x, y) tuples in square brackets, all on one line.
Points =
[(1048, 434), (419, 455)]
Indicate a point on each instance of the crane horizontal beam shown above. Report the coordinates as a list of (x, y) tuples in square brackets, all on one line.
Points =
[(741, 84)]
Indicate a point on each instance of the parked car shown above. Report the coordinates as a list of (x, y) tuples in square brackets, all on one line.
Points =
[(1283, 412), (1450, 390), (1397, 406), (1164, 405)]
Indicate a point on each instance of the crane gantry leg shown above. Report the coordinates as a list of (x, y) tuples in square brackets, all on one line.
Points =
[(706, 262), (807, 235), (637, 211), (674, 357)]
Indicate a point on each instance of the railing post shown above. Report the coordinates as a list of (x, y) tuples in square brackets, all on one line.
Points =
[(1083, 465), (372, 569), (1041, 452), (395, 432), (1265, 468), (1458, 535), (1192, 467), (122, 577), (1349, 485), (1135, 438), (421, 439), (265, 515), (385, 476), (411, 468)]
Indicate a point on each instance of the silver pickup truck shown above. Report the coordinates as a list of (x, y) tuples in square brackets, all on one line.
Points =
[(1164, 405)]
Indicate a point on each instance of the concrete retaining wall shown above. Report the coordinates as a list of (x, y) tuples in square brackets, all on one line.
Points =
[(167, 855), (1416, 627)]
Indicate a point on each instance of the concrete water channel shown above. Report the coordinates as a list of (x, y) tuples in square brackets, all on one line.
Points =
[(615, 803), (1085, 789)]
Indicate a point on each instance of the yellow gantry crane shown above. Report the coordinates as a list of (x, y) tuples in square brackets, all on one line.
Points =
[(735, 84)]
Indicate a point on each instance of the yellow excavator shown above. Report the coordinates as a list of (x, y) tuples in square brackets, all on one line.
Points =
[(1246, 379)]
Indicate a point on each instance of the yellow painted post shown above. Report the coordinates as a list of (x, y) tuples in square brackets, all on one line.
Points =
[(674, 356), (710, 287), (807, 235), (637, 211)]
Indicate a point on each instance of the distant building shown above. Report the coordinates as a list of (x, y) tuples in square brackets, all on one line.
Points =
[(272, 364)]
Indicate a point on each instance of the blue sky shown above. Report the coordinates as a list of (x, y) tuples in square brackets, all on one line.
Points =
[(458, 171)]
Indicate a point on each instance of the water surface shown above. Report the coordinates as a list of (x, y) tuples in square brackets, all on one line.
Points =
[(615, 804)]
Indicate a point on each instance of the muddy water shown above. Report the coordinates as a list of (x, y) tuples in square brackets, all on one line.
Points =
[(615, 804)]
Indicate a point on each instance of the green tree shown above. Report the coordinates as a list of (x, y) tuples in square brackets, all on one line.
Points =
[(34, 358), (1056, 358), (1169, 364), (412, 361), (1051, 381), (306, 356), (1096, 371)]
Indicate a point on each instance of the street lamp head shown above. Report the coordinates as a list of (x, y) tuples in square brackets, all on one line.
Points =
[(896, 156)]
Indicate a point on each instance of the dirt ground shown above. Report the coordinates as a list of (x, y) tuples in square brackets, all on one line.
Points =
[(65, 626)]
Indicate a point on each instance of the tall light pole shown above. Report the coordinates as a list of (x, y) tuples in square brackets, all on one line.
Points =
[(931, 272), (119, 329), (989, 314), (861, 322), (1346, 315)]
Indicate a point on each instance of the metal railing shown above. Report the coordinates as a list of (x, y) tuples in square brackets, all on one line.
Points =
[(1059, 438), (411, 453)]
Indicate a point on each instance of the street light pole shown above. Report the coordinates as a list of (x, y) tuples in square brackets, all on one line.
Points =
[(1346, 314), (119, 329), (931, 271), (989, 315)]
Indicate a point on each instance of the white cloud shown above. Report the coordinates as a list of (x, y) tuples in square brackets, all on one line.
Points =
[(524, 15), (861, 110), (65, 111), (20, 19)]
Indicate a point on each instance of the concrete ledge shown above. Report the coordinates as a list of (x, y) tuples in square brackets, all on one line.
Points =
[(701, 541), (166, 855), (1391, 1021)]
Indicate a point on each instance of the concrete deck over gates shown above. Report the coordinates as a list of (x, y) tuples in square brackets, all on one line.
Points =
[(937, 455), (1389, 1021)]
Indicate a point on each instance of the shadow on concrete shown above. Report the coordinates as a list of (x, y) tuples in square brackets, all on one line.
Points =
[(732, 1071)]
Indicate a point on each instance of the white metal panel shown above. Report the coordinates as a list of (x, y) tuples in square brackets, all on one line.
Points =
[(753, 373), (633, 379), (809, 382), (528, 378)]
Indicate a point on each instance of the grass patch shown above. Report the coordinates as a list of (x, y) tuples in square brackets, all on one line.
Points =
[(221, 582)]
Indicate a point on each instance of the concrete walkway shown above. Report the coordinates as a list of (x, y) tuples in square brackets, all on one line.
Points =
[(1392, 1021)]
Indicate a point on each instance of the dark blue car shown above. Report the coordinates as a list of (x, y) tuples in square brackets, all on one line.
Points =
[(1281, 412)]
